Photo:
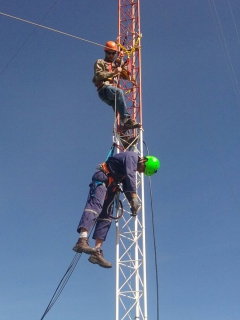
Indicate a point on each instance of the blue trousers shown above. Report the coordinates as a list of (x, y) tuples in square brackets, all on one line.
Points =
[(98, 207), (107, 94)]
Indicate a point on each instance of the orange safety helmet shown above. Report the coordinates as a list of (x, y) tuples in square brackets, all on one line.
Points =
[(110, 45)]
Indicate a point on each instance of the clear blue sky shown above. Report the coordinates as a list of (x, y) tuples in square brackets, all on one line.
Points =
[(54, 130)]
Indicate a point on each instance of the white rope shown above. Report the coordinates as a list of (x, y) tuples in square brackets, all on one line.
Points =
[(115, 108), (194, 91), (226, 51), (230, 6), (51, 29)]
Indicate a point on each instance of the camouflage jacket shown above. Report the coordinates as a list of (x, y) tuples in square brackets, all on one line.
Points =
[(103, 72)]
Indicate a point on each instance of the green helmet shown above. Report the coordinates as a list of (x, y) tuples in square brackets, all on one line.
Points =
[(151, 166)]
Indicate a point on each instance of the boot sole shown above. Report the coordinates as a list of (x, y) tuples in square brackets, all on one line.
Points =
[(95, 261), (136, 126), (87, 251)]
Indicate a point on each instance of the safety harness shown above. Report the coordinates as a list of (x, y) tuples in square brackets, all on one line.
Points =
[(109, 69), (111, 183), (111, 80), (103, 167)]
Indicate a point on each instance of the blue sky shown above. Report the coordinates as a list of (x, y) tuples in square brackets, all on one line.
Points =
[(54, 130)]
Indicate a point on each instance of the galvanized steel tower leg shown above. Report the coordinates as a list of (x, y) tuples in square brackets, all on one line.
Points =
[(131, 283)]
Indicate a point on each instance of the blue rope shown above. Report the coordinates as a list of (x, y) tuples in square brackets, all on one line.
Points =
[(111, 152)]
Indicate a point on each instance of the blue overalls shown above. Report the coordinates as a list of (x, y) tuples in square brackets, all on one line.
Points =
[(100, 202)]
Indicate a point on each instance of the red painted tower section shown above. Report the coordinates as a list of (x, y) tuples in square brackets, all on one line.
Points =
[(129, 37), (131, 288)]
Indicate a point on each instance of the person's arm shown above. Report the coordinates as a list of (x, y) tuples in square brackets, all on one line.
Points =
[(100, 74), (130, 163), (133, 202), (129, 185)]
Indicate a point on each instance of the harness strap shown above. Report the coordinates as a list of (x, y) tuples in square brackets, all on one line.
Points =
[(111, 152), (111, 80), (109, 66), (96, 183), (105, 169)]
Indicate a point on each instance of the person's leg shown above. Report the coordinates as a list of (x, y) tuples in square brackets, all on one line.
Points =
[(102, 227), (121, 107), (108, 93), (104, 221), (92, 210)]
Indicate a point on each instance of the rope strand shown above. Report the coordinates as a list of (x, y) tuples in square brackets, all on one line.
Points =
[(51, 29)]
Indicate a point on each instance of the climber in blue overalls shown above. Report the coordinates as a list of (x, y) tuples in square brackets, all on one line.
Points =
[(120, 168)]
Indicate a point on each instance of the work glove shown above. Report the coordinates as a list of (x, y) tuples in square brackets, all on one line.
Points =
[(134, 205)]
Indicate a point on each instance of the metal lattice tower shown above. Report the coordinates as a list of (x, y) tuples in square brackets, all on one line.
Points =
[(131, 290)]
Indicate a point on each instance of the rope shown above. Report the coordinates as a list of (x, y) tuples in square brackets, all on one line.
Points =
[(62, 283), (118, 206), (116, 83), (178, 52), (111, 152), (11, 59), (129, 52), (64, 279), (226, 53), (77, 256), (230, 6), (154, 239), (115, 108), (51, 29)]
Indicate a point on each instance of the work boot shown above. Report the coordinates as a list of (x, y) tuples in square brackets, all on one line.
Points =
[(97, 258), (83, 246), (131, 124)]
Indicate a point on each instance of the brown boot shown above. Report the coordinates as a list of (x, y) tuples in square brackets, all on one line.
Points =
[(131, 124), (83, 246), (97, 258)]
